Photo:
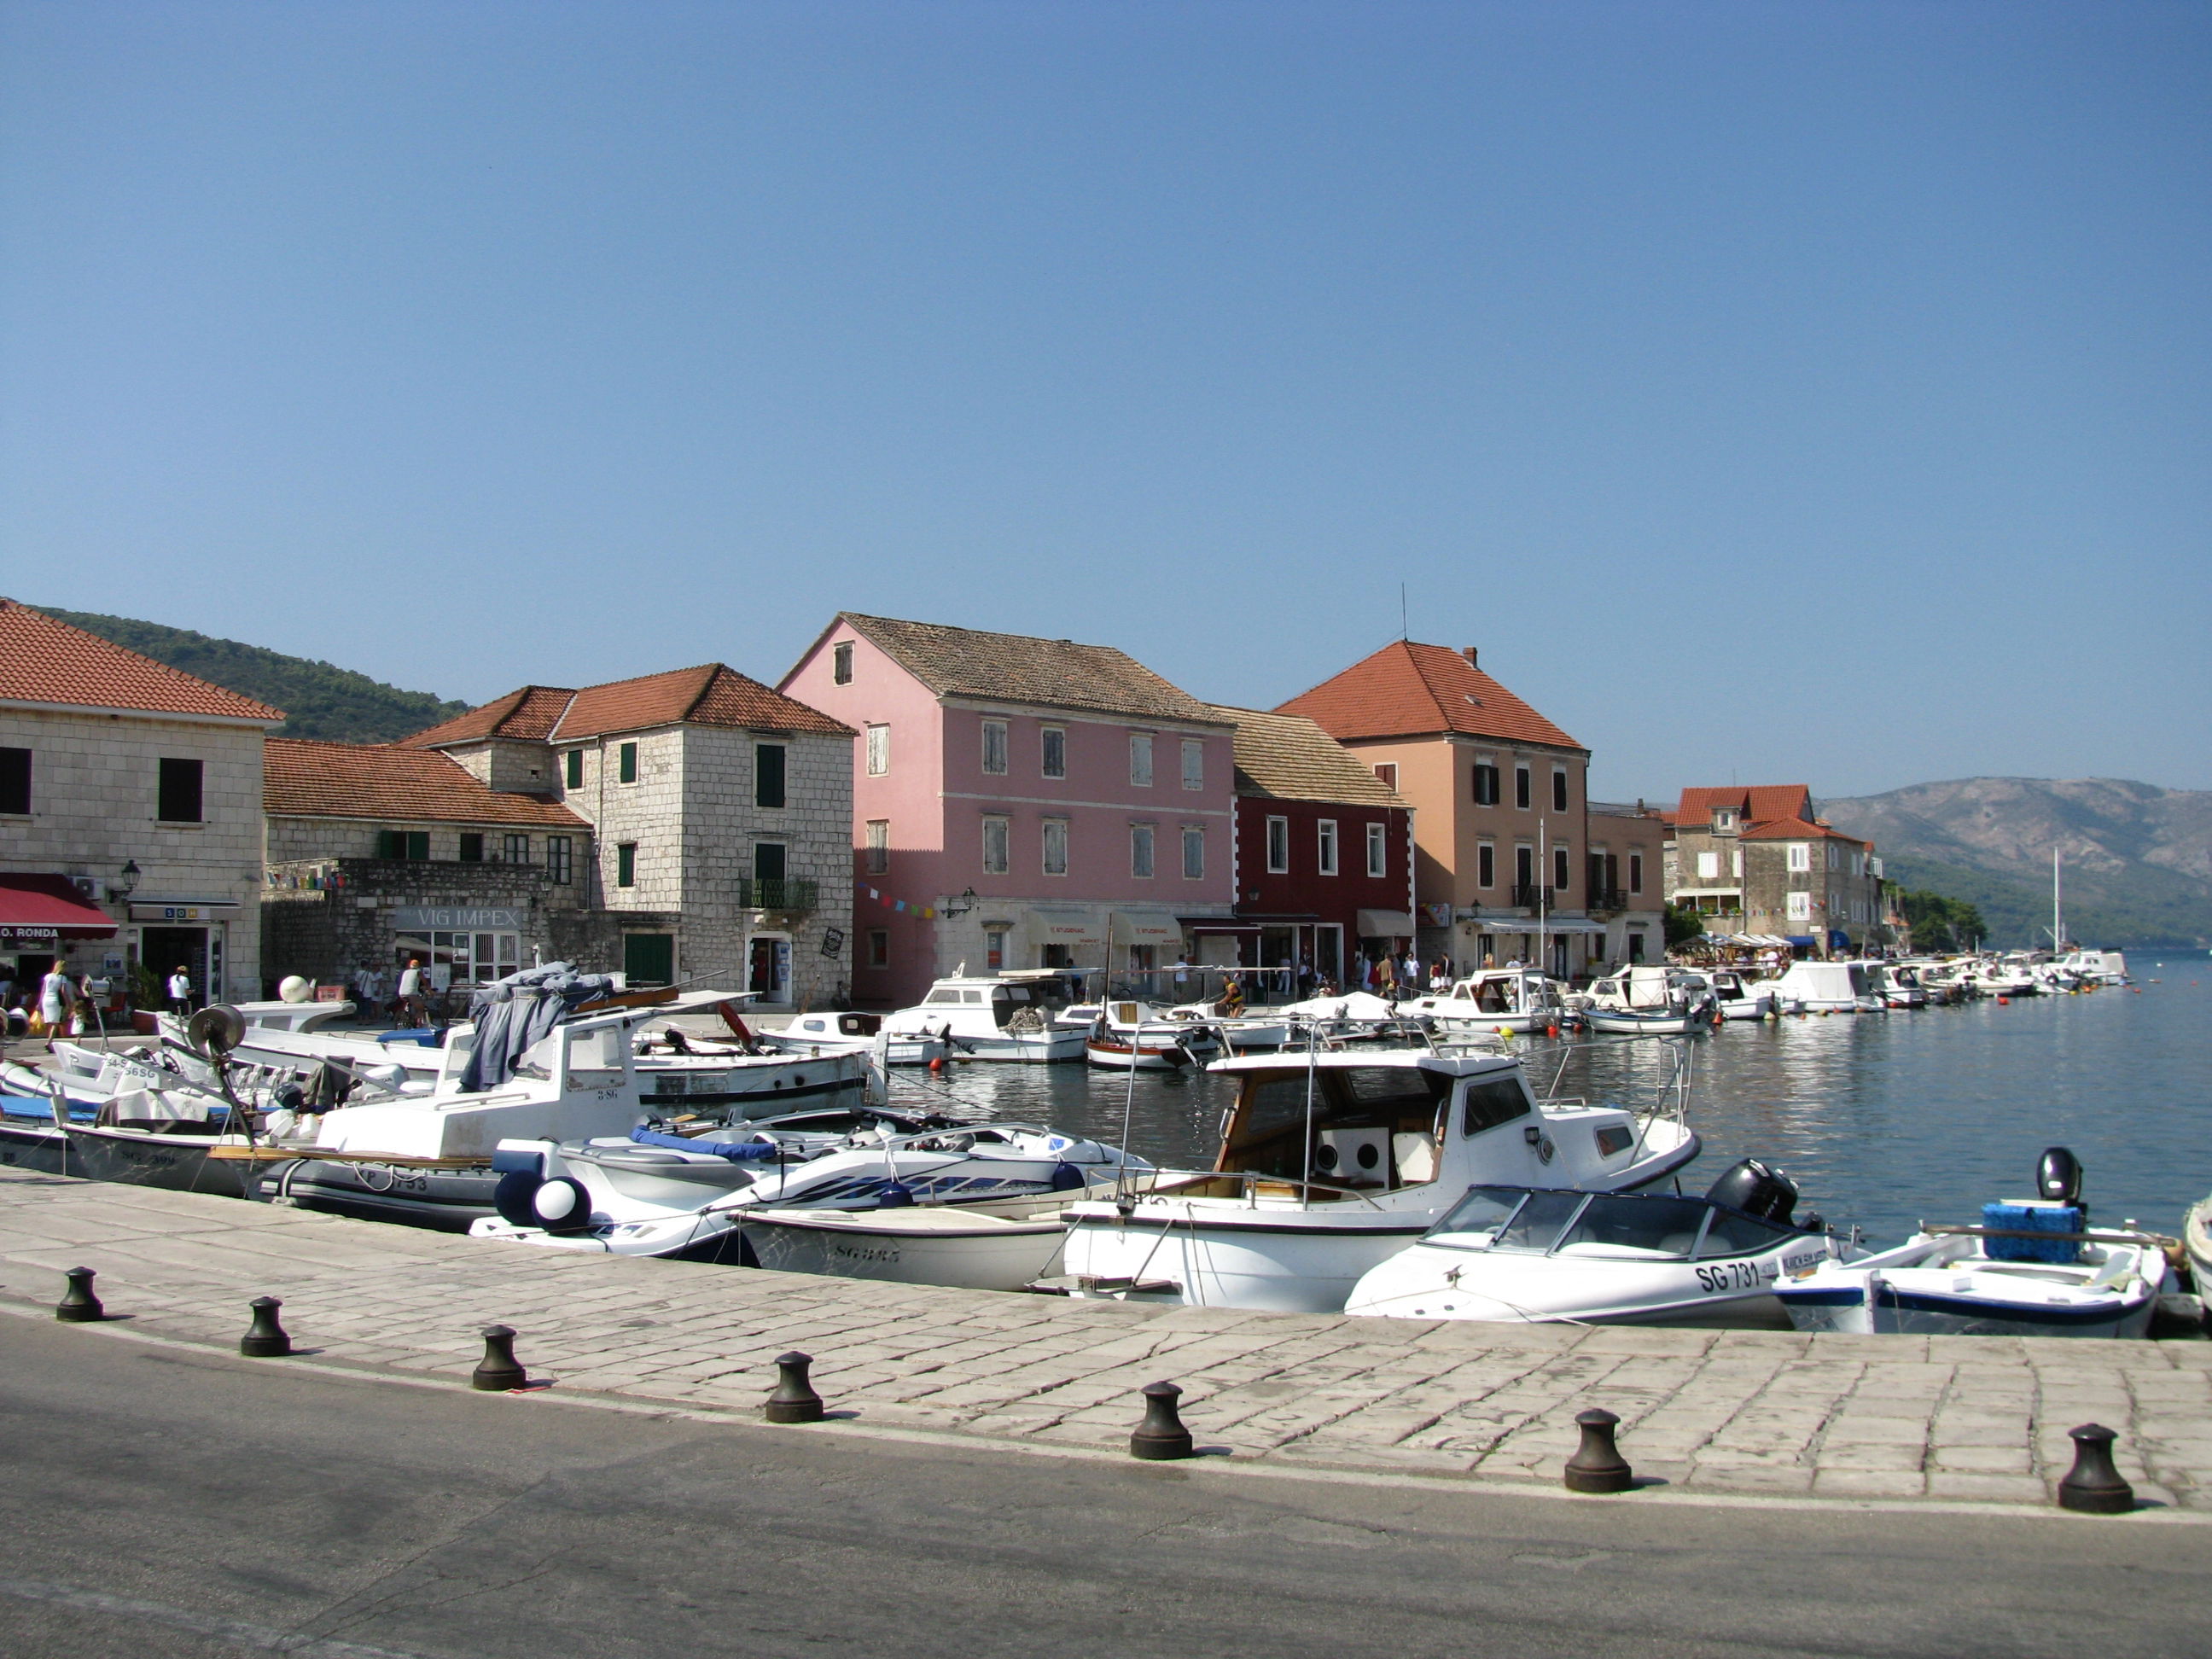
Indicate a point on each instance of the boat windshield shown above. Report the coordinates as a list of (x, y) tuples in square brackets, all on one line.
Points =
[(1659, 1225), (1731, 1232)]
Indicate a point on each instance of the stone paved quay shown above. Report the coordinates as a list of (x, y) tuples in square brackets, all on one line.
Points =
[(1964, 1418)]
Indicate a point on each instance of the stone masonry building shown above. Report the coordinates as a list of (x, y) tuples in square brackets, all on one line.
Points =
[(721, 815), (129, 813), (1759, 861), (378, 854)]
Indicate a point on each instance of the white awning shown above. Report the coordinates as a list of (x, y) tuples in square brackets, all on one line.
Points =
[(1074, 928), (1147, 927), (1386, 924)]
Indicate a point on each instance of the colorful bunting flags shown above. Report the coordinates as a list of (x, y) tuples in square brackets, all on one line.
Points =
[(926, 912)]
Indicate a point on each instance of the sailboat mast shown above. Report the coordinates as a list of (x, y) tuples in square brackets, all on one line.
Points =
[(2058, 910)]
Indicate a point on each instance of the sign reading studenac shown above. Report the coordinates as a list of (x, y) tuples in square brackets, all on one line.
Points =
[(459, 918)]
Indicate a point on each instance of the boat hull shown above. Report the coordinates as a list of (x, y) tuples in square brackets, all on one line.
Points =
[(444, 1201), (177, 1164), (26, 1145), (1612, 1024), (984, 1254), (1903, 1311)]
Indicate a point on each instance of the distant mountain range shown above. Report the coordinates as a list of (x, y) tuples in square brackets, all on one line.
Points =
[(318, 700), (2138, 858)]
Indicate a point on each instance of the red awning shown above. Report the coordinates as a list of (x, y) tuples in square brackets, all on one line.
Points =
[(44, 909)]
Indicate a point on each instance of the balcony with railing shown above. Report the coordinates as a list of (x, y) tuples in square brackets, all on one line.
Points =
[(1528, 895), (1607, 898), (778, 893)]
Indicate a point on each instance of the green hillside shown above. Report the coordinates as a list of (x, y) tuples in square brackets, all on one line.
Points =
[(318, 700), (2142, 907)]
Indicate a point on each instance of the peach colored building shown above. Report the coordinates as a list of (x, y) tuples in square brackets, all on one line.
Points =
[(1499, 798), (1016, 802)]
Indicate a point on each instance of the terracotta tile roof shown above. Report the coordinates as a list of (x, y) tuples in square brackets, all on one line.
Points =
[(305, 780), (709, 695), (1798, 830), (1288, 757), (1756, 803), (527, 715), (43, 660), (1407, 690), (967, 662)]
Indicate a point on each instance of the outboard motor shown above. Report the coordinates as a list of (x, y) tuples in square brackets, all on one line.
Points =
[(2058, 1177), (1755, 1189)]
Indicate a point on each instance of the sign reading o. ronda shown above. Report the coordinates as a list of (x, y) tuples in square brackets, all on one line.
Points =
[(459, 918)]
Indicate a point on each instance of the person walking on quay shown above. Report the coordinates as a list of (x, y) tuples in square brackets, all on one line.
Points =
[(180, 993), (410, 1006), (56, 996)]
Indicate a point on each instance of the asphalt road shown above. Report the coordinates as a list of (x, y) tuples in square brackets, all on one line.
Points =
[(158, 1502)]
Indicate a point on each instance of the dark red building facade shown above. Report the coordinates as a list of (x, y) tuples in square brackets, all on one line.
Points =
[(1324, 851)]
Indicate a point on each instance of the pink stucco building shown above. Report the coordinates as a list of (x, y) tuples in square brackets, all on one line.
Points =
[(1018, 798)]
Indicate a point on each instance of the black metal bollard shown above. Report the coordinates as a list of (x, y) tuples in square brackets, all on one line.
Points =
[(498, 1370), (78, 1305), (794, 1400), (2093, 1485), (1161, 1435), (264, 1338), (1597, 1465)]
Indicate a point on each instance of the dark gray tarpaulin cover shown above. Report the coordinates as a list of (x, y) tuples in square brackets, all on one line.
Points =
[(513, 1012)]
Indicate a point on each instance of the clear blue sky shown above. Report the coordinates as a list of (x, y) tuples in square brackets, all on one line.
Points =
[(1806, 392)]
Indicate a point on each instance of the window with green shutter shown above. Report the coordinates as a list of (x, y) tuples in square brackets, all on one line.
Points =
[(471, 847), (626, 763), (768, 774), (576, 769), (626, 863)]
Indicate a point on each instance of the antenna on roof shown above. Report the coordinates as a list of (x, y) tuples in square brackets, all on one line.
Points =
[(1405, 628)]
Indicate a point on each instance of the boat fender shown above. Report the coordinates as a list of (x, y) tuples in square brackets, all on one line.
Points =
[(561, 1206), (1066, 1176), (895, 1194), (511, 1197)]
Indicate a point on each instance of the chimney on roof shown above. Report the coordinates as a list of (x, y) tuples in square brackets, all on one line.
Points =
[(1473, 661)]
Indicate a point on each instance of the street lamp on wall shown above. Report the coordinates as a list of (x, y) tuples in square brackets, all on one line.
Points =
[(961, 906), (127, 882)]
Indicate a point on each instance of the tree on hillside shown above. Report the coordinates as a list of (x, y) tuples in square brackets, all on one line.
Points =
[(1939, 923)]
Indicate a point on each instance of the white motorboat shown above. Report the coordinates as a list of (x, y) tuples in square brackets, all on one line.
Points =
[(1497, 999), (1521, 1254), (684, 1197), (848, 1033), (1649, 999), (1897, 984), (989, 1018), (1826, 988), (991, 1246), (2196, 1241), (2031, 1268), (1332, 1161), (1739, 996)]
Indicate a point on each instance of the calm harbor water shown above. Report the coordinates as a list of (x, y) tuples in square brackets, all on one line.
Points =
[(1883, 1119)]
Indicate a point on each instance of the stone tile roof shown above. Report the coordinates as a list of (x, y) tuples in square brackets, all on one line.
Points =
[(709, 695), (968, 662), (1288, 757), (1407, 690), (527, 715), (307, 780), (43, 660)]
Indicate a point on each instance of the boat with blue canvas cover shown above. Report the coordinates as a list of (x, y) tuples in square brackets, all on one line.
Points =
[(2033, 1267)]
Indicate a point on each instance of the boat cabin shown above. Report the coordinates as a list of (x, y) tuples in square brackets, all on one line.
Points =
[(835, 1026), (1006, 999), (1502, 991), (1363, 1127)]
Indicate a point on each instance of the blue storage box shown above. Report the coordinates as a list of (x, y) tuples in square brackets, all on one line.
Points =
[(2035, 1219)]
